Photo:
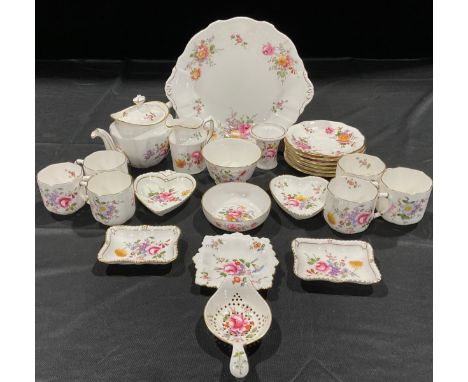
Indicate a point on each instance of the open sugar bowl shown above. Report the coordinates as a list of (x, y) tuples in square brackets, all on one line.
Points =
[(236, 206)]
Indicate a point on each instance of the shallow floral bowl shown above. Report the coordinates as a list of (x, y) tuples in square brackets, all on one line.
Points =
[(164, 191), (337, 261), (236, 206), (300, 197), (240, 256), (231, 159), (142, 244), (237, 315)]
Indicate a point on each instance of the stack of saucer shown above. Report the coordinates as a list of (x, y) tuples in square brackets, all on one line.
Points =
[(315, 147)]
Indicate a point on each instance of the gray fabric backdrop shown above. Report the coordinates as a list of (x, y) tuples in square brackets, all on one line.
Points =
[(127, 323)]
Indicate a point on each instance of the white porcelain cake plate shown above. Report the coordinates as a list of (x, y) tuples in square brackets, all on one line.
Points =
[(324, 138), (142, 244), (237, 315), (164, 191), (241, 72), (337, 261), (237, 255), (300, 197)]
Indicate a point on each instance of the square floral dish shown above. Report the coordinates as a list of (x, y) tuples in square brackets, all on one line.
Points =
[(238, 256), (337, 261), (142, 244), (300, 197)]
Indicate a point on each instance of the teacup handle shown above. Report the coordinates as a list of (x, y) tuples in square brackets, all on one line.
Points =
[(83, 188), (79, 162), (239, 364), (384, 195)]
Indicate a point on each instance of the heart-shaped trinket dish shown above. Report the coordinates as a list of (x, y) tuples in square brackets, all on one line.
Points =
[(300, 197), (144, 244), (164, 191), (337, 261)]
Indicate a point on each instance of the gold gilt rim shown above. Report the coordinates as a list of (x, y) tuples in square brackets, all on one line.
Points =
[(327, 166), (308, 171), (322, 156)]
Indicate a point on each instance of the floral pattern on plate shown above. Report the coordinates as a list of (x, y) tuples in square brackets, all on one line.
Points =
[(166, 197), (235, 256), (239, 322), (140, 245), (280, 60), (198, 106), (238, 40), (335, 260), (278, 105), (238, 126), (59, 201), (202, 54)]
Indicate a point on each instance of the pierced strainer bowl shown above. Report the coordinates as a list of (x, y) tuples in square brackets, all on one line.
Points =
[(238, 315)]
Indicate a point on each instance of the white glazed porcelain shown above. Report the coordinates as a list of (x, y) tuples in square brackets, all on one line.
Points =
[(257, 69), (235, 255), (350, 204), (408, 194), (336, 261), (164, 191), (142, 244), (302, 197), (237, 315), (231, 160), (59, 185), (187, 139), (144, 151), (268, 138), (363, 166), (141, 118), (324, 138), (111, 197), (102, 161), (236, 206)]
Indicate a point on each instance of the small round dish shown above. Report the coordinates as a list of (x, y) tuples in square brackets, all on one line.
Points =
[(231, 159), (236, 206)]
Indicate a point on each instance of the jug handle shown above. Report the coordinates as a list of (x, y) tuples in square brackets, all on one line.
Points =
[(210, 129)]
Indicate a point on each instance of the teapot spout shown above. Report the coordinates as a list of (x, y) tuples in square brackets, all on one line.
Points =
[(109, 143)]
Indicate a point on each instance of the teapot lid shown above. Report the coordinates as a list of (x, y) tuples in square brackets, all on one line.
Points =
[(142, 113)]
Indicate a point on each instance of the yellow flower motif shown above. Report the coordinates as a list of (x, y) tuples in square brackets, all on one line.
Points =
[(235, 134), (180, 163), (408, 208), (331, 218), (102, 209), (282, 60), (185, 192), (301, 198), (195, 73), (343, 138), (356, 264), (120, 252)]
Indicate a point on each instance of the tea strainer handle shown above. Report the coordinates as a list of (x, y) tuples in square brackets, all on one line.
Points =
[(239, 364)]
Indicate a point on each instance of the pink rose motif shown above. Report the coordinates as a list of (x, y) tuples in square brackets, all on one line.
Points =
[(270, 153), (234, 227), (64, 201), (237, 322), (234, 268), (322, 266), (153, 250), (244, 129), (292, 203), (329, 130), (197, 157), (163, 151), (166, 196), (268, 49), (362, 219), (234, 215)]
